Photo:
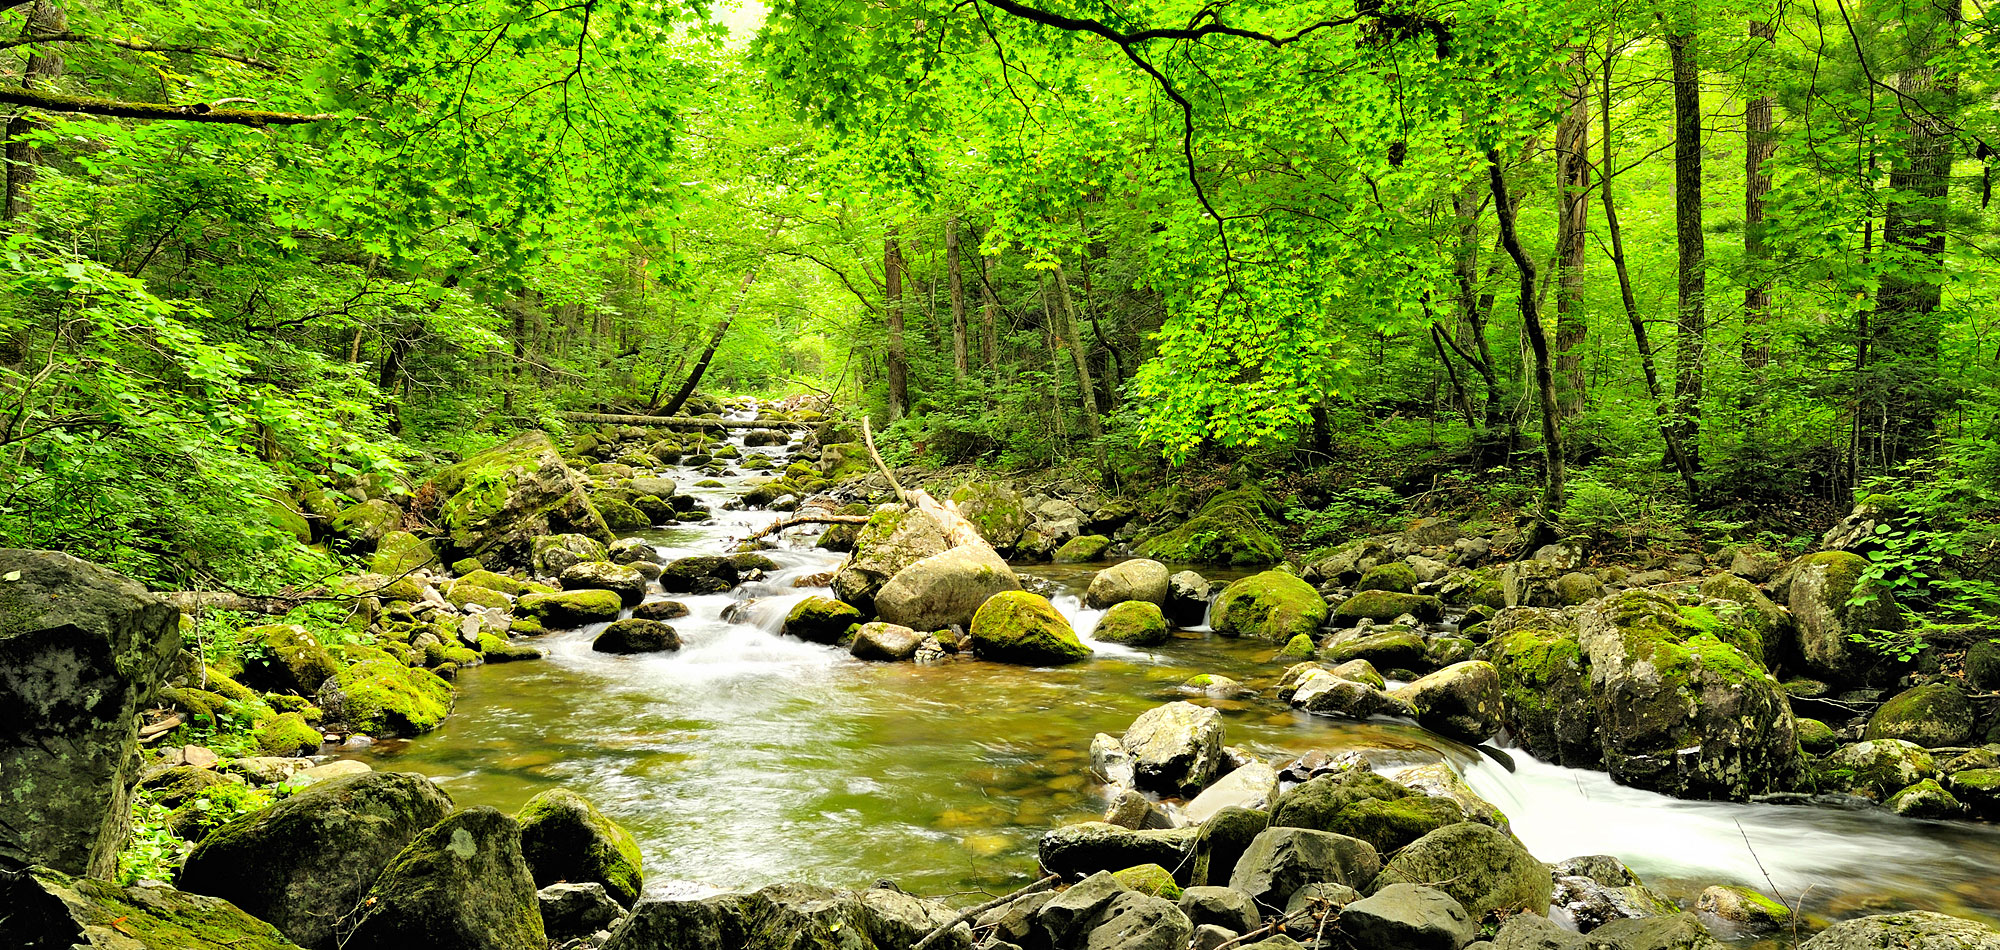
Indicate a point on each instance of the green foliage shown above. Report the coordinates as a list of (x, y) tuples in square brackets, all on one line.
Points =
[(1346, 514)]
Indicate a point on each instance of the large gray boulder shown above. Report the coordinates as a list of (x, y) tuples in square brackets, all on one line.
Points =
[(944, 589), (1676, 932), (1915, 930), (1408, 917), (789, 917), (42, 908), (1208, 904), (498, 501), (82, 651), (565, 838), (1279, 861), (1176, 749), (461, 885), (1535, 932), (894, 538), (1136, 579), (1461, 701), (1134, 921), (305, 861), (570, 911), (1093, 846), (886, 642), (1480, 866), (1821, 589), (626, 582)]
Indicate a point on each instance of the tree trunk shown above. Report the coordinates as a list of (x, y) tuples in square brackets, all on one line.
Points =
[(1065, 316), (701, 366), (1758, 147), (1553, 490), (989, 311), (1494, 439), (44, 66), (1690, 353), (1573, 201), (959, 365), (892, 282)]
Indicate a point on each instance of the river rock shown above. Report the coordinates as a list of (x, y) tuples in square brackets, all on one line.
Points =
[(1395, 576), (626, 582), (633, 635), (1820, 588), (1439, 780), (1136, 579), (1220, 842), (570, 911), (1461, 701), (82, 651), (1322, 692), (461, 885), (1383, 606), (821, 620), (944, 589), (1279, 861), (1020, 627), (310, 858), (1274, 606), (1134, 623), (1545, 686), (1592, 900), (1743, 906), (1681, 709), (379, 696), (789, 917), (1676, 932), (497, 502), (1176, 748), (995, 510), (1407, 917), (1535, 932), (284, 658), (49, 909), (565, 838), (1391, 648), (1109, 759), (1254, 786), (1068, 915), (1481, 867), (1188, 594), (1221, 907), (1082, 549), (570, 609), (894, 538), (701, 574), (1877, 768), (1913, 930), (1933, 715), (1348, 562), (1361, 804), (1135, 921), (359, 527), (1925, 799), (886, 642), (549, 556), (1092, 846)]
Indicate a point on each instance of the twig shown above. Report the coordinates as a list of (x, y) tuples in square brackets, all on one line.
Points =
[(868, 437), (968, 916)]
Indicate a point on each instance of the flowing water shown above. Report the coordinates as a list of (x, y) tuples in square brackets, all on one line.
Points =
[(747, 758)]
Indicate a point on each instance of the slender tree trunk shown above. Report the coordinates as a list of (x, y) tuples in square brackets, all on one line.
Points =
[(899, 371), (1669, 433), (1690, 354), (44, 66), (1553, 490), (1758, 147), (514, 368), (673, 406), (1065, 316), (1494, 439), (1573, 201), (959, 365), (989, 311)]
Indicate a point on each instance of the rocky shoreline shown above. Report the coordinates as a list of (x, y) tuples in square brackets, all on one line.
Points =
[(1691, 677)]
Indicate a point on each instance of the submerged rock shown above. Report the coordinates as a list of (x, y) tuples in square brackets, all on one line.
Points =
[(944, 589), (565, 838), (1274, 606), (461, 885), (49, 909), (1136, 579), (1020, 627), (305, 861), (1176, 749), (82, 651), (633, 635)]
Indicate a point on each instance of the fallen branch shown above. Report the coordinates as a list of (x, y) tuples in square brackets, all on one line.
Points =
[(117, 109), (970, 915), (606, 418), (224, 600), (797, 520), (161, 728), (868, 439), (957, 530)]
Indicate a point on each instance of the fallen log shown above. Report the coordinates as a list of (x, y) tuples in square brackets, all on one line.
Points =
[(797, 520), (601, 418), (957, 530)]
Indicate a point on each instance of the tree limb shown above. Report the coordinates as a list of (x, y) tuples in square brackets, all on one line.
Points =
[(116, 109), (136, 46)]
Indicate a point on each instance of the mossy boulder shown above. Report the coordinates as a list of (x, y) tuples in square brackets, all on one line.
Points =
[(461, 885), (1744, 906), (1545, 685), (1384, 648), (1816, 737), (50, 909), (1151, 880), (1132, 623), (1136, 579), (1297, 648), (1396, 576), (1234, 527), (383, 697), (1683, 709), (1912, 930), (1481, 867), (1020, 627), (635, 635), (1385, 605), (945, 589), (624, 580), (1462, 701), (996, 510), (1082, 549), (621, 515), (498, 501), (1274, 606), (1933, 715), (1925, 799), (307, 860), (360, 527), (1877, 768), (400, 552), (500, 583), (570, 609), (494, 648), (894, 538), (1822, 588), (286, 734), (821, 620), (461, 594), (1361, 804), (565, 838), (284, 658), (549, 556)]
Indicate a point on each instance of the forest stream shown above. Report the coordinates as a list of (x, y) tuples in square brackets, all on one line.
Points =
[(748, 758)]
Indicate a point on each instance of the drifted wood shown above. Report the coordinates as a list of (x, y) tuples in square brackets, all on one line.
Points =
[(958, 532), (161, 728), (225, 600), (601, 418), (797, 520)]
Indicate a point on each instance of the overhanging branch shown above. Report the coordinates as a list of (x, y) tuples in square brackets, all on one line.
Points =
[(117, 109)]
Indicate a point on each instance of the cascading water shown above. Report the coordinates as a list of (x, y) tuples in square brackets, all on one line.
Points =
[(748, 757)]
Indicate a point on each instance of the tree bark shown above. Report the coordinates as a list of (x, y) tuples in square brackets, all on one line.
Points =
[(892, 283), (989, 311), (1494, 439), (1759, 145), (44, 66), (1065, 315), (1690, 354), (959, 366), (701, 366), (1572, 147), (1553, 489)]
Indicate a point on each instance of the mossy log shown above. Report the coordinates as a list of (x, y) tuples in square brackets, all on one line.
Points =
[(599, 418)]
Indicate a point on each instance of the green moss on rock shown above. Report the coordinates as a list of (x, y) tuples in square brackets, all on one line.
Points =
[(1234, 527), (1133, 623), (286, 734), (1395, 576), (569, 609), (821, 620), (1020, 627), (1274, 606), (1384, 605), (565, 838), (383, 697), (1933, 715), (1082, 549)]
